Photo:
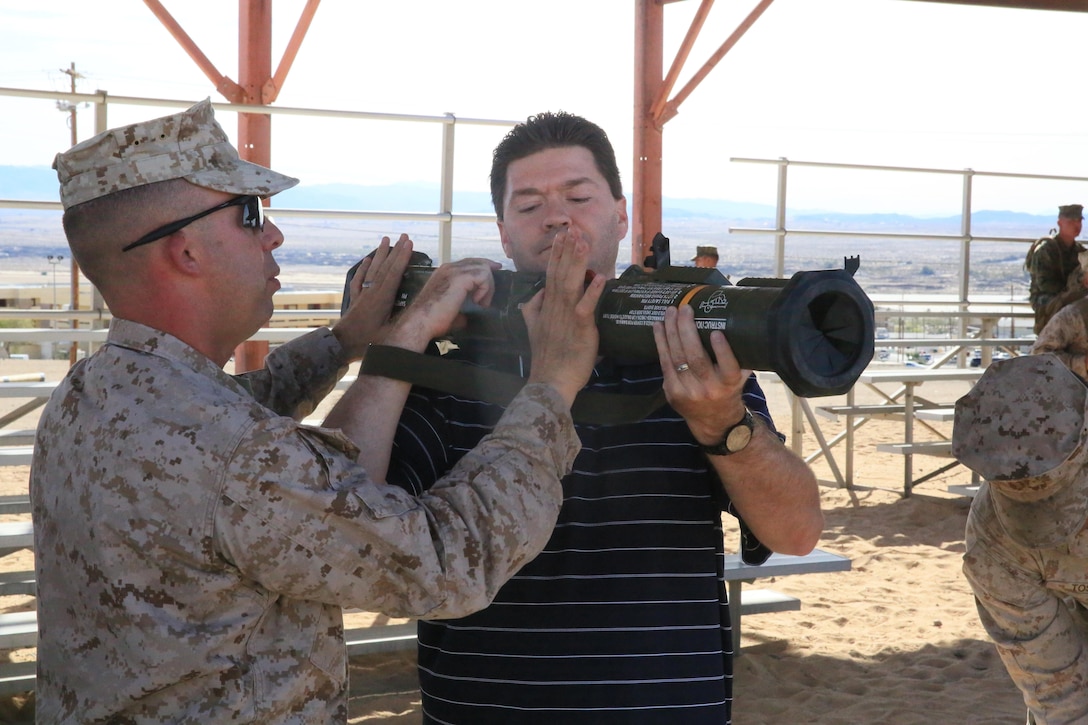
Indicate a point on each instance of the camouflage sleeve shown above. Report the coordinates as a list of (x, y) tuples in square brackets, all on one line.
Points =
[(1036, 636), (1066, 336), (298, 374), (1047, 279), (300, 518)]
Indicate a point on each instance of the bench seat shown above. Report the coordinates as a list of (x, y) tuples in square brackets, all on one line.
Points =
[(894, 411), (15, 504), (18, 582), (16, 455), (16, 677), (382, 638), (19, 437), (761, 601), (968, 491), (20, 629), (833, 412), (767, 601), (941, 449), (16, 535)]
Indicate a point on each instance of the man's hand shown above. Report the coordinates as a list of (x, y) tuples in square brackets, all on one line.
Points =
[(706, 394), (561, 320), (373, 289), (771, 488), (437, 307)]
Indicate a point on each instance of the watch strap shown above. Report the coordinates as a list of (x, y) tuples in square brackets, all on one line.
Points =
[(721, 448)]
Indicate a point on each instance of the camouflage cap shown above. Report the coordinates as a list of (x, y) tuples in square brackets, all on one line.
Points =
[(705, 252), (1022, 428), (1071, 211), (190, 145)]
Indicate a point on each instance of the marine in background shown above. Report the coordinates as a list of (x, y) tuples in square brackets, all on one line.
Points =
[(1057, 274)]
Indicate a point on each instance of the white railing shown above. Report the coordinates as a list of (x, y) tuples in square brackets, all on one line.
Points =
[(989, 313), (965, 309), (965, 238), (444, 216)]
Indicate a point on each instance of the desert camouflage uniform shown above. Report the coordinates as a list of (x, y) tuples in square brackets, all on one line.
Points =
[(1055, 278), (1066, 336), (194, 547), (1032, 604), (1022, 428)]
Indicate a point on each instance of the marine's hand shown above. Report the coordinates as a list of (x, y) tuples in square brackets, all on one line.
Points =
[(561, 319), (373, 289), (706, 393), (437, 307)]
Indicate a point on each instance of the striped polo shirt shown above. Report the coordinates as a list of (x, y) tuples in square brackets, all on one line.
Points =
[(623, 617)]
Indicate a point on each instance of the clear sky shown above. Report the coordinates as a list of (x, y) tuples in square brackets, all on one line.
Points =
[(883, 82)]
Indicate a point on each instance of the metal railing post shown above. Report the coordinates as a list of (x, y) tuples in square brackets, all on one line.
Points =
[(965, 262), (445, 227), (780, 221)]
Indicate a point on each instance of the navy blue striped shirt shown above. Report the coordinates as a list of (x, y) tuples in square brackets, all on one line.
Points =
[(623, 617)]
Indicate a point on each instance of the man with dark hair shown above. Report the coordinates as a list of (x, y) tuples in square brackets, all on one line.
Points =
[(1056, 274), (194, 542), (623, 617)]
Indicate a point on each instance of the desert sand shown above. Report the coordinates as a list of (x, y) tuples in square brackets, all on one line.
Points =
[(895, 640)]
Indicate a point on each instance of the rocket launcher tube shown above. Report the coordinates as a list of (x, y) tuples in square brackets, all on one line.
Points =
[(815, 330)]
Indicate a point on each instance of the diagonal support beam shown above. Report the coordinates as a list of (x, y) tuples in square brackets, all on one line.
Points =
[(257, 85), (652, 109), (276, 83), (671, 108), (224, 85)]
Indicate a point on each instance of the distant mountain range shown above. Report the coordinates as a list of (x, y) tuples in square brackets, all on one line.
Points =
[(39, 183)]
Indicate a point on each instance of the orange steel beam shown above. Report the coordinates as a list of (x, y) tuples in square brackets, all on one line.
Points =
[(646, 184), (256, 86), (672, 106), (681, 57), (226, 87), (653, 111), (254, 129), (291, 51)]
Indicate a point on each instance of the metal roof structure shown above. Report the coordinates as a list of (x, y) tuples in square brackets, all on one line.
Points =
[(654, 97), (654, 106)]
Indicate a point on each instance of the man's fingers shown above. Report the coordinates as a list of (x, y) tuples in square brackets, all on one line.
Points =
[(592, 295)]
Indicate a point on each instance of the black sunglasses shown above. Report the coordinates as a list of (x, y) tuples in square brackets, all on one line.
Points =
[(252, 218)]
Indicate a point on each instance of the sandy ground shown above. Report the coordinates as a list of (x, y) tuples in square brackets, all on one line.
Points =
[(895, 640)]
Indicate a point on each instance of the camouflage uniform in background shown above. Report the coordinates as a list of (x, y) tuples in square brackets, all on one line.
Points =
[(195, 543), (1066, 336), (1055, 278), (1022, 427)]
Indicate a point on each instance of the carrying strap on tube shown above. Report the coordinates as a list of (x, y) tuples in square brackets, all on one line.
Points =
[(499, 388)]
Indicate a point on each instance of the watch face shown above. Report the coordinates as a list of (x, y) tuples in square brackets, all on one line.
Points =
[(738, 438)]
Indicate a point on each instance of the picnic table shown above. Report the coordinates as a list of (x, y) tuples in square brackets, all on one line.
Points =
[(907, 382)]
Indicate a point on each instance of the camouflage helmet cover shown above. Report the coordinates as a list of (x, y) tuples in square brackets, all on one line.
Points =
[(1022, 428), (190, 145)]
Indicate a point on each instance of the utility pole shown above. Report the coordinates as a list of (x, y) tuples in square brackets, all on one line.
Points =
[(73, 348)]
